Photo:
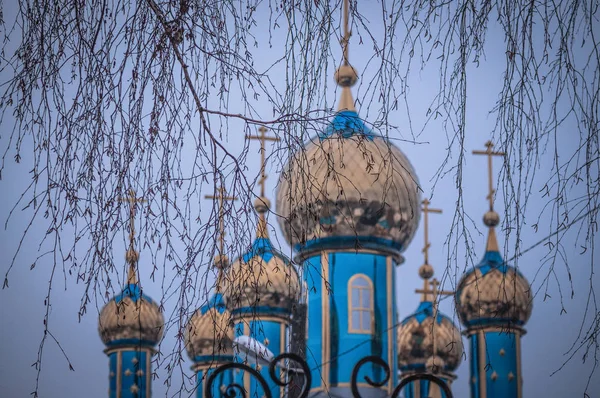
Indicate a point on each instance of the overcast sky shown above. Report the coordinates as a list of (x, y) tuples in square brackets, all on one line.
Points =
[(550, 334)]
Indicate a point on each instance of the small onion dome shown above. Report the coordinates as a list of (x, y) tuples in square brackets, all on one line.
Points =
[(349, 185), (493, 293), (209, 333), (416, 337), (131, 319), (262, 281)]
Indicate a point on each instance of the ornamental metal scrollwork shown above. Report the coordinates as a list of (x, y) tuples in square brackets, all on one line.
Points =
[(235, 390), (423, 376), (372, 359), (292, 372), (405, 381)]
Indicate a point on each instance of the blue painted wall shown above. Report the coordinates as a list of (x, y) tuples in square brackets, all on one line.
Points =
[(262, 330), (224, 379), (347, 348), (501, 356), (131, 370)]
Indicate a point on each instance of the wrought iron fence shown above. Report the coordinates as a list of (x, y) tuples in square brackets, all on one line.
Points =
[(298, 370)]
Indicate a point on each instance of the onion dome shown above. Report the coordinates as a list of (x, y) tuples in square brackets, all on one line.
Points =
[(263, 280), (493, 292), (427, 339), (131, 318), (418, 335), (348, 186), (209, 333)]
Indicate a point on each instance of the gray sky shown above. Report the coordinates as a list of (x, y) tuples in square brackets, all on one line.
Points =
[(550, 333)]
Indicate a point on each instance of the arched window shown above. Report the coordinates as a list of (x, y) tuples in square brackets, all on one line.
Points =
[(360, 304)]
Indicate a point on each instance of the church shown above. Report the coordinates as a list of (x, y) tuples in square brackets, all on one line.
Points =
[(326, 323)]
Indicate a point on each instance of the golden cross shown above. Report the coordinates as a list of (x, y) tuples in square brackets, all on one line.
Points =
[(426, 210), (133, 201), (430, 290), (347, 33), (262, 138), (489, 154), (221, 198), (132, 256)]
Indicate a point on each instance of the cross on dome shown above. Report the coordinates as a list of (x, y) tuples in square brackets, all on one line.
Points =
[(132, 255), (221, 261), (489, 154), (491, 218), (346, 76), (262, 204), (426, 210), (262, 138)]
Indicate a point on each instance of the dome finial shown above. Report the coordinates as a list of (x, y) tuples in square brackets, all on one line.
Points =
[(262, 204), (346, 76), (132, 256), (426, 270), (263, 160), (221, 198), (426, 210), (491, 219)]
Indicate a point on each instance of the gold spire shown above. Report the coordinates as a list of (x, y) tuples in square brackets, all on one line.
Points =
[(132, 256), (491, 219), (346, 76), (262, 204)]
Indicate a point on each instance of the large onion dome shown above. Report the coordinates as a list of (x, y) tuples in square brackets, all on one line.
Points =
[(209, 333), (421, 337), (131, 318), (262, 280), (346, 186), (493, 292)]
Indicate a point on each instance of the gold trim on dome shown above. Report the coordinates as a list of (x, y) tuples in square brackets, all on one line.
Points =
[(253, 317), (494, 328), (325, 336), (481, 364), (148, 376), (299, 258), (519, 370), (391, 326), (282, 349), (119, 376), (246, 374), (307, 296)]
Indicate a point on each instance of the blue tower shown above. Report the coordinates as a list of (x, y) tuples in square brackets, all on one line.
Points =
[(494, 302), (428, 341), (130, 325), (263, 287), (349, 205), (209, 339)]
